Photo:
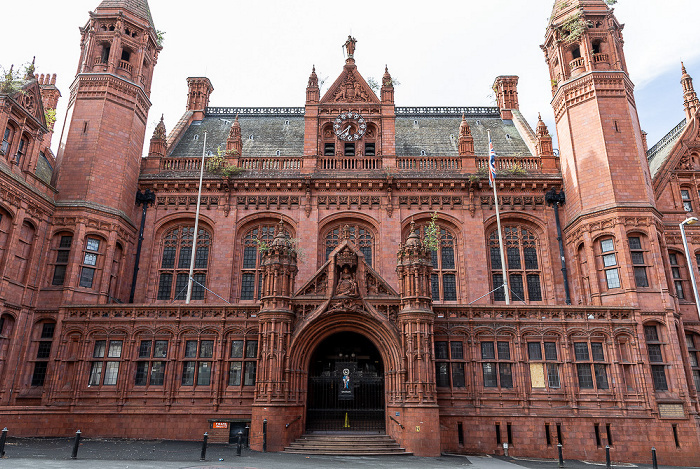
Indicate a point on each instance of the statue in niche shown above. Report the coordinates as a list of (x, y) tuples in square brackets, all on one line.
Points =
[(347, 286)]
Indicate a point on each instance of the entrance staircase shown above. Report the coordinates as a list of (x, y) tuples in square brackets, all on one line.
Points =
[(346, 444)]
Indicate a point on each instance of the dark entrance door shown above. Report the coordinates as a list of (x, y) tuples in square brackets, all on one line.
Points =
[(346, 385)]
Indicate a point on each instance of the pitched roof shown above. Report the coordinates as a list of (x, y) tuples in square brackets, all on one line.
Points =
[(138, 7), (659, 153)]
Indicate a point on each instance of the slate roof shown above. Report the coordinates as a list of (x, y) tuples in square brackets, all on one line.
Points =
[(657, 155), (138, 7), (437, 135)]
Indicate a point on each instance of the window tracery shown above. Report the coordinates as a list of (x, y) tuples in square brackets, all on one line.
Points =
[(175, 263)]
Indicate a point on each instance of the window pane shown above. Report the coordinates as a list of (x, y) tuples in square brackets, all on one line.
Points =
[(158, 374), (612, 278), (441, 350), (185, 257), (442, 379), (99, 351), (689, 341), (457, 350), (673, 259), (696, 380), (550, 351), (651, 334), (198, 286), (448, 257), (458, 375), (161, 350), (530, 254), (247, 286), (204, 374), (249, 379), (115, 349), (145, 349), (513, 255), (249, 255), (168, 261), (499, 291), (495, 258), (141, 373), (516, 287), (59, 275), (597, 351), (640, 277), (609, 260), (637, 258), (206, 349), (202, 258), (487, 351), (251, 349), (92, 244), (111, 373), (553, 375), (534, 292), (585, 379), (506, 375), (679, 289), (489, 375), (95, 374), (188, 373), (65, 242), (191, 349), (62, 257), (181, 286), (234, 375), (90, 259), (164, 286), (86, 276), (47, 330), (601, 376), (655, 353), (607, 245), (44, 350), (503, 350), (435, 286), (534, 351), (367, 252), (581, 351), (635, 243), (39, 375), (434, 259), (237, 349), (449, 286)]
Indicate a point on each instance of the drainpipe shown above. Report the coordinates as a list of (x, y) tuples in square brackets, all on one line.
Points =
[(143, 199), (555, 200)]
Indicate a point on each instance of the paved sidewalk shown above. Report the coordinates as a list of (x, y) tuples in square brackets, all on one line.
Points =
[(54, 453)]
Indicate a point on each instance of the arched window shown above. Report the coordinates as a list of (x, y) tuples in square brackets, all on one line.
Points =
[(443, 280), (5, 225), (693, 342), (640, 257), (359, 234), (7, 327), (656, 357), (175, 263), (7, 136), (42, 339), (21, 149), (522, 266), (679, 274), (608, 263), (24, 250), (251, 276), (61, 247)]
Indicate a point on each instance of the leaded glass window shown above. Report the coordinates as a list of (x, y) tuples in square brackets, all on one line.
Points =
[(175, 263), (522, 264)]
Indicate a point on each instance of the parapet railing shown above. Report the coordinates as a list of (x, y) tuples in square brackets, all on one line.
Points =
[(535, 312)]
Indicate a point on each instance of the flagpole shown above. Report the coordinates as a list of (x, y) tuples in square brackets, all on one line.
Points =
[(498, 222), (196, 225)]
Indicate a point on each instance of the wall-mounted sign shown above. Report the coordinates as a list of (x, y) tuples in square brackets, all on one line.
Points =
[(219, 425)]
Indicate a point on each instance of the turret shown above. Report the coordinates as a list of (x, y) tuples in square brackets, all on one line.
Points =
[(199, 91), (234, 143), (313, 93), (506, 89), (466, 141), (159, 143), (279, 264), (414, 267), (690, 98), (387, 91)]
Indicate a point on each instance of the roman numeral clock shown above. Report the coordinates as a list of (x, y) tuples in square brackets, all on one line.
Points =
[(349, 126)]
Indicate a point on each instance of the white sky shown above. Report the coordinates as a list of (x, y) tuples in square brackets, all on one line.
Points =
[(260, 52)]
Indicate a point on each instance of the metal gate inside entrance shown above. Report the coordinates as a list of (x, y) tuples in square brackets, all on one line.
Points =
[(346, 386)]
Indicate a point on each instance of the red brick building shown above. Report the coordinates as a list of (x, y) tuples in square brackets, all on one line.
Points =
[(318, 302)]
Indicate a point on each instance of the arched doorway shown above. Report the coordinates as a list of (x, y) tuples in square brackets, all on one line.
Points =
[(346, 385)]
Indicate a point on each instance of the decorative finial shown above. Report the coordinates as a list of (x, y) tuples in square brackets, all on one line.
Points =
[(346, 232), (236, 117)]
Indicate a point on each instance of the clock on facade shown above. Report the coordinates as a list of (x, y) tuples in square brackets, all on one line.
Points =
[(349, 126)]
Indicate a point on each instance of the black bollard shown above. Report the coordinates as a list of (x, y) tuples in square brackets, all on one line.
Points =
[(2, 442), (240, 444), (561, 455), (246, 436), (203, 456), (608, 464), (264, 435), (653, 458), (76, 444)]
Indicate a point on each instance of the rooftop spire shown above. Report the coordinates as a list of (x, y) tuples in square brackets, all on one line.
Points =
[(138, 7), (690, 97)]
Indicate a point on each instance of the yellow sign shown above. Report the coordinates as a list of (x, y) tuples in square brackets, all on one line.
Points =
[(417, 428)]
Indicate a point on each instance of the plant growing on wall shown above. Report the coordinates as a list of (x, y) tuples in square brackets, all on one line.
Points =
[(10, 81), (431, 240), (50, 117), (160, 37), (219, 165)]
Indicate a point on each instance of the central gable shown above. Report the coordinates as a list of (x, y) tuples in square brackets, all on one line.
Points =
[(350, 87)]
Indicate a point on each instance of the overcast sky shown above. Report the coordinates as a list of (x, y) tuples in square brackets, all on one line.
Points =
[(260, 53)]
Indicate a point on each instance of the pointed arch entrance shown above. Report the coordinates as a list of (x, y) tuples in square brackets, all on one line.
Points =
[(346, 385)]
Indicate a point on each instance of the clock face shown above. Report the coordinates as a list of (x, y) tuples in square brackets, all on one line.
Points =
[(349, 126)]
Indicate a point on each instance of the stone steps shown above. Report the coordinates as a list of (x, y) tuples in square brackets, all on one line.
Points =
[(346, 445)]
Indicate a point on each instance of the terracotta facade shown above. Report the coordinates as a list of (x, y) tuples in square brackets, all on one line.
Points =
[(315, 223)]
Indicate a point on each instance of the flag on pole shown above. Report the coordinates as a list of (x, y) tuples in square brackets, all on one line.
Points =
[(492, 163)]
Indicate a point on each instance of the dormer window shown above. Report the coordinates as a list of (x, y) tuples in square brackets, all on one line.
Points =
[(422, 153)]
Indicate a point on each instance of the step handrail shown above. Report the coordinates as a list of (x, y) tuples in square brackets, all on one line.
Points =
[(298, 418), (397, 422)]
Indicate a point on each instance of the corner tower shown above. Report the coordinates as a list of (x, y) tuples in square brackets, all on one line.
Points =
[(102, 139)]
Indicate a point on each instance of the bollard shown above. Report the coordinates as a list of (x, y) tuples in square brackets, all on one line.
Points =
[(608, 464), (653, 458), (203, 456), (76, 444), (561, 455), (2, 442), (264, 435), (246, 436), (240, 443)]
